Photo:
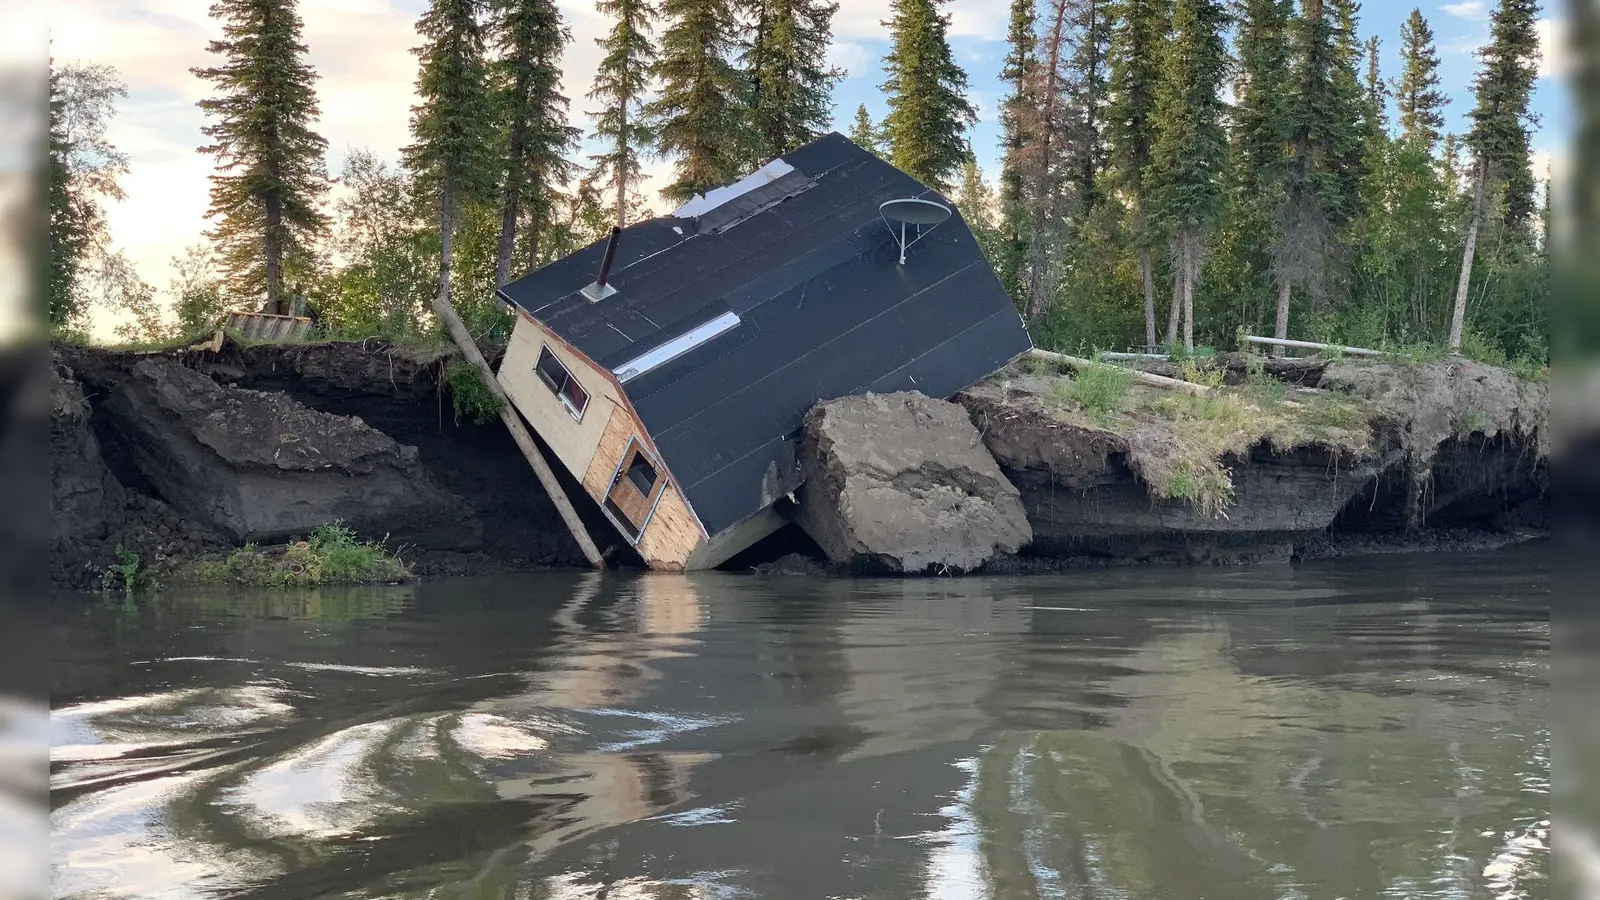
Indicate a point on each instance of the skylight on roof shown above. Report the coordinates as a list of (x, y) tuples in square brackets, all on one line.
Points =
[(678, 346), (765, 175)]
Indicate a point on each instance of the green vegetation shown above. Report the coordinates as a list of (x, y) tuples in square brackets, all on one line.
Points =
[(126, 574), (1178, 442), (1100, 391), (269, 181), (331, 555), (469, 395), (1320, 203)]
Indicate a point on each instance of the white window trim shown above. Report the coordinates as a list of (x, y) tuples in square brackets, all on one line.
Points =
[(662, 482), (575, 412)]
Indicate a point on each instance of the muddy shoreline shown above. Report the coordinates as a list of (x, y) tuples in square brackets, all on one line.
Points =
[(177, 455)]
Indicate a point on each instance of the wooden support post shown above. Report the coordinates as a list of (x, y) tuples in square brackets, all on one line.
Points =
[(519, 432), (1160, 381)]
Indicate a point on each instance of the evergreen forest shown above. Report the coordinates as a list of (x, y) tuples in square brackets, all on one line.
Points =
[(1173, 174)]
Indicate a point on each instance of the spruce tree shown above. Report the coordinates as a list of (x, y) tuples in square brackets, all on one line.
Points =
[(1262, 108), (789, 81), (81, 171), (864, 133), (696, 116), (1322, 173), (452, 128), (928, 110), (1375, 109), (535, 134), (1019, 72), (1498, 138), (976, 202), (269, 180), (1191, 147), (1416, 93), (621, 126), (1088, 80), (1049, 133), (1137, 42)]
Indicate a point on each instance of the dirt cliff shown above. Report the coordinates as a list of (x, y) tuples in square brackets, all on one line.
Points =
[(184, 452), (264, 443), (1271, 465)]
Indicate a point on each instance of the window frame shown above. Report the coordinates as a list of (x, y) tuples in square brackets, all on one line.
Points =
[(631, 532), (568, 382)]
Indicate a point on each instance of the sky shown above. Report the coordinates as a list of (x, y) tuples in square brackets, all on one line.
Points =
[(361, 51)]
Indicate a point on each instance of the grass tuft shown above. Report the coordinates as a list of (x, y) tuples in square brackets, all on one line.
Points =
[(332, 554), (1101, 391)]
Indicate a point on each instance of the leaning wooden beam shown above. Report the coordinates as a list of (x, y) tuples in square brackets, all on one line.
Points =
[(1312, 345), (519, 432), (1160, 381)]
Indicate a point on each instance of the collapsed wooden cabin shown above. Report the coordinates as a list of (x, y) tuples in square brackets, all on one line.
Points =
[(669, 369)]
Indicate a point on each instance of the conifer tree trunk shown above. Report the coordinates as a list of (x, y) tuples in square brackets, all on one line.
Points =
[(446, 314), (508, 236), (1458, 316), (1148, 277), (272, 253), (622, 173), (1280, 329), (1174, 314), (1191, 274)]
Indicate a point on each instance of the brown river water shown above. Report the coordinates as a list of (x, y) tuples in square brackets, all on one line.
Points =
[(1371, 728)]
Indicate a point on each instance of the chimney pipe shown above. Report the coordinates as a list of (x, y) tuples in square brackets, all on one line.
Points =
[(611, 252)]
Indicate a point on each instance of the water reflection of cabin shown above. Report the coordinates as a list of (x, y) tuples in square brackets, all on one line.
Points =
[(675, 390)]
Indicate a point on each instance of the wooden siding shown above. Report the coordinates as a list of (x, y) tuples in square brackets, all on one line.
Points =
[(673, 534), (608, 453), (572, 441)]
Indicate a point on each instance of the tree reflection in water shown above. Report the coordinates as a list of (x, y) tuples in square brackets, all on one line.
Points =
[(1315, 732)]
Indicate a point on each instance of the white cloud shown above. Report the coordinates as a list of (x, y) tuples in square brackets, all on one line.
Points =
[(1464, 44), (1467, 9), (854, 57), (1555, 55)]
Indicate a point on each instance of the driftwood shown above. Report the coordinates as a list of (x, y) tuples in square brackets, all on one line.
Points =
[(519, 432), (1145, 378)]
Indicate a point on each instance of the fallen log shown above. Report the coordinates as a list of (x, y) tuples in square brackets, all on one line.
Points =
[(1312, 345), (1145, 378)]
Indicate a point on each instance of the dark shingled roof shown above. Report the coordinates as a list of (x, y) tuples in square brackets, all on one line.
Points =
[(825, 311)]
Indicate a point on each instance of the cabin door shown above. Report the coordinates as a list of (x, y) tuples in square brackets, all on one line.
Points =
[(634, 491)]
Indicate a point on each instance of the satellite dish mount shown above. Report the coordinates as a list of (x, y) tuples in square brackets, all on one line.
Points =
[(913, 212)]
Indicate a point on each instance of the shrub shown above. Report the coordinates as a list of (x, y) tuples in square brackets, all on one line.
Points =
[(469, 395), (125, 574)]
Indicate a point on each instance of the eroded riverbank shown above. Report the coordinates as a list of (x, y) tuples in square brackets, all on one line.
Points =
[(181, 454)]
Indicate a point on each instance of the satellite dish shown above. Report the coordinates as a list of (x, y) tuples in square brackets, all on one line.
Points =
[(921, 214)]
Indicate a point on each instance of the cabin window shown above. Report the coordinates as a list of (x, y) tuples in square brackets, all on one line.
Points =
[(562, 384), (642, 474), (635, 490)]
